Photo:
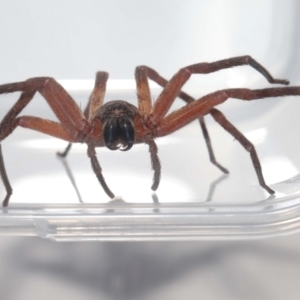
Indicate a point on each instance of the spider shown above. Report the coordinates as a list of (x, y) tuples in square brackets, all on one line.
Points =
[(118, 124)]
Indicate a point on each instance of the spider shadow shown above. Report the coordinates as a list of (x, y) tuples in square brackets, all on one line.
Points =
[(119, 201), (67, 168)]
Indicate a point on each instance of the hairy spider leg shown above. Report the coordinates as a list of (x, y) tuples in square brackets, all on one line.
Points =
[(190, 112), (172, 89), (97, 97), (95, 102), (143, 90), (98, 171), (202, 106), (64, 107), (155, 163), (249, 147), (10, 122), (148, 72), (145, 105), (73, 127)]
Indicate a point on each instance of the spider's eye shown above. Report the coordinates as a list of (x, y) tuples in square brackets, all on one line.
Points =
[(118, 134)]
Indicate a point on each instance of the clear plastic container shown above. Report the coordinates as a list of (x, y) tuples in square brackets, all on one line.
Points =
[(194, 200)]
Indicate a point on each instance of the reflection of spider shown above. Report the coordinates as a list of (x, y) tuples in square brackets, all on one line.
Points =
[(118, 124)]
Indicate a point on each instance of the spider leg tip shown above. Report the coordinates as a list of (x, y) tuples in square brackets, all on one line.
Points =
[(286, 82), (59, 154), (111, 195), (281, 81), (154, 187), (269, 190)]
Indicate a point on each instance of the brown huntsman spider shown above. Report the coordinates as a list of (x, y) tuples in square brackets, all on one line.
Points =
[(118, 124)]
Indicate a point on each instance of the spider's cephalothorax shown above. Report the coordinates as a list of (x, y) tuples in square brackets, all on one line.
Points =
[(118, 128)]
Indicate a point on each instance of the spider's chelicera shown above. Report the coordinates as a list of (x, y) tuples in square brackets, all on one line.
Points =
[(118, 124), (118, 129)]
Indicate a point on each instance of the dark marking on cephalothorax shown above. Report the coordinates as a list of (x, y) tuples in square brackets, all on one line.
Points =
[(116, 109)]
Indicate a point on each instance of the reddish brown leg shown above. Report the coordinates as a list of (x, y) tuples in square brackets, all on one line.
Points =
[(96, 168), (41, 125), (183, 116), (97, 96), (145, 104), (172, 89), (8, 124), (58, 99), (142, 74), (202, 106), (143, 90), (65, 108), (45, 126), (220, 118), (98, 171), (154, 162), (95, 101)]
